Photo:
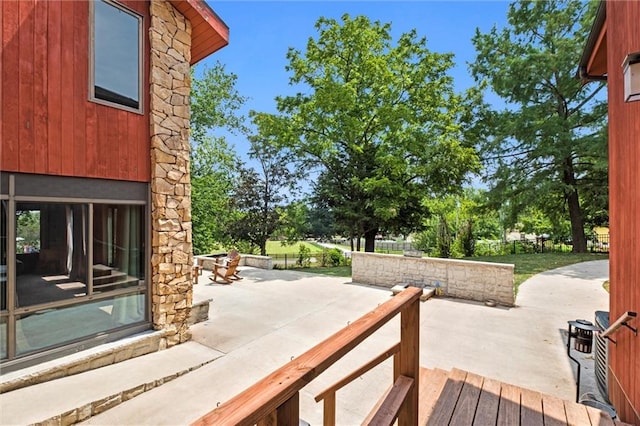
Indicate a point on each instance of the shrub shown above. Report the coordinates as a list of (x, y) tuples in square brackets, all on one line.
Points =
[(304, 256)]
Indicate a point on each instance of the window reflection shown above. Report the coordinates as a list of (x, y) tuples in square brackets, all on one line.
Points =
[(118, 249), (51, 327), (3, 255), (3, 337), (116, 55), (51, 252)]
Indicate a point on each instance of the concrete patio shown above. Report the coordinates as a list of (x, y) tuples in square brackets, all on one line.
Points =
[(259, 323)]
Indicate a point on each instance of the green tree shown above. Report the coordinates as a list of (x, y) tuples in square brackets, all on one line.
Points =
[(379, 119), (548, 145), (262, 195), (215, 105)]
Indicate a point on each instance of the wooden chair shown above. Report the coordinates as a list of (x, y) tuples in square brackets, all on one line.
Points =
[(225, 271)]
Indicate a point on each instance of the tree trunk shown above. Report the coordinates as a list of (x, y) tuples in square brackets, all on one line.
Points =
[(575, 212), (370, 240)]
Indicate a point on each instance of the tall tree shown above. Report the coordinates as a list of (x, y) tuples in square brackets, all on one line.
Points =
[(547, 145), (262, 194), (379, 118), (215, 105)]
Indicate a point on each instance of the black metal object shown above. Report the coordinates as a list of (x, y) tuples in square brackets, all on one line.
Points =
[(584, 343), (601, 354)]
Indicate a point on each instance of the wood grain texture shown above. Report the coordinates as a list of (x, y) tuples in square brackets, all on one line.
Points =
[(432, 382), (392, 404), (509, 410), (10, 85), (465, 410), (446, 403), (553, 411), (623, 37), (488, 403), (531, 408), (48, 125)]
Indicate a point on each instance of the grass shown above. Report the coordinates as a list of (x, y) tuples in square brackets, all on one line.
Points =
[(276, 247), (333, 271), (527, 265)]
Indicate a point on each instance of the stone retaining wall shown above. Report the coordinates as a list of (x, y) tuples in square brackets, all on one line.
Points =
[(262, 262), (171, 247), (463, 279)]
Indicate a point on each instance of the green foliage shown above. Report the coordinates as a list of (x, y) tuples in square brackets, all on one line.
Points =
[(304, 256), (379, 119), (444, 238), (547, 147), (28, 228), (214, 106), (261, 196), (333, 257), (467, 239)]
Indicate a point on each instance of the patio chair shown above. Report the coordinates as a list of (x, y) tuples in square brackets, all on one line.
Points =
[(226, 271)]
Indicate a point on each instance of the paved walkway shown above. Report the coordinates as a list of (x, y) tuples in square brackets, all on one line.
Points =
[(258, 324)]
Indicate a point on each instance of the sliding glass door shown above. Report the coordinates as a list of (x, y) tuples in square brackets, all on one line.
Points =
[(70, 270)]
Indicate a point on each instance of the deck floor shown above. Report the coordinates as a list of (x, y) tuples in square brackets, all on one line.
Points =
[(462, 398)]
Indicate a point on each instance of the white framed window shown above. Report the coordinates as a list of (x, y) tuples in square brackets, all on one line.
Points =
[(115, 59)]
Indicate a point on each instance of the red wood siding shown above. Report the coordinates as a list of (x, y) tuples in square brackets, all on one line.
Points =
[(623, 37), (47, 124)]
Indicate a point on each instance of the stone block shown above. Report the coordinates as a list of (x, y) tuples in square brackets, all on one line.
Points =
[(106, 403)]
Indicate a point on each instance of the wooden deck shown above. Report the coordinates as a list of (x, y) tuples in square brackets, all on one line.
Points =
[(461, 398)]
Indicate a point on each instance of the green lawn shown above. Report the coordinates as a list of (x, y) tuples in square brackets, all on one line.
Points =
[(337, 271), (527, 265), (276, 247)]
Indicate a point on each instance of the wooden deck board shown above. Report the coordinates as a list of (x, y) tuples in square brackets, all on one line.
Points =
[(446, 403), (598, 417), (509, 410), (462, 398), (487, 410), (553, 411), (431, 383), (465, 409), (531, 408)]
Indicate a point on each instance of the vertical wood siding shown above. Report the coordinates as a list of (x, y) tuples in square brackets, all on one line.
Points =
[(623, 35), (47, 124)]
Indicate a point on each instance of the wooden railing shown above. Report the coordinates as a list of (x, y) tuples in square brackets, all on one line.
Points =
[(274, 400), (623, 320)]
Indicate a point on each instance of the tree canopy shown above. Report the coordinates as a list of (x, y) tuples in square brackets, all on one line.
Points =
[(215, 105), (378, 119), (547, 147)]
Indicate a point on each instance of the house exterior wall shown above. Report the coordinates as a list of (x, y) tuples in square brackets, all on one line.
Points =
[(47, 124), (623, 37), (456, 278)]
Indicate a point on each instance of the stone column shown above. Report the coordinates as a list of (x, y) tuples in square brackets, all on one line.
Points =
[(172, 252)]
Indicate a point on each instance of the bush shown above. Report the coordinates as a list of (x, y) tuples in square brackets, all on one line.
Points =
[(304, 256)]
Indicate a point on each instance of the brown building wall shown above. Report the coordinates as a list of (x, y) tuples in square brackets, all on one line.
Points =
[(623, 35), (47, 124)]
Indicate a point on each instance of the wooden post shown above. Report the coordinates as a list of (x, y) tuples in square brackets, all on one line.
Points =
[(329, 412), (408, 361), (289, 411)]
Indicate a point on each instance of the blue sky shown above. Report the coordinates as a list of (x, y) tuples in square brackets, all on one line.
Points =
[(262, 31)]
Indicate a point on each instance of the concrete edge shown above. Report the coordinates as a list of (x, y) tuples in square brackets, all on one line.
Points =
[(101, 405), (100, 356)]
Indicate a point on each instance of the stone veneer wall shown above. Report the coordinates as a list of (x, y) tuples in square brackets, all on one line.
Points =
[(172, 251), (457, 278)]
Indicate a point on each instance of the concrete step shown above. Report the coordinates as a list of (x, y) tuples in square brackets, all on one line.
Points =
[(76, 398)]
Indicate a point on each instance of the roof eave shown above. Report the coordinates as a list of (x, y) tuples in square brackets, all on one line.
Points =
[(209, 33), (593, 62)]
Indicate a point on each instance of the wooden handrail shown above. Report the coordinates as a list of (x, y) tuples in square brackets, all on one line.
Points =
[(623, 320), (387, 414), (359, 372), (267, 395)]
